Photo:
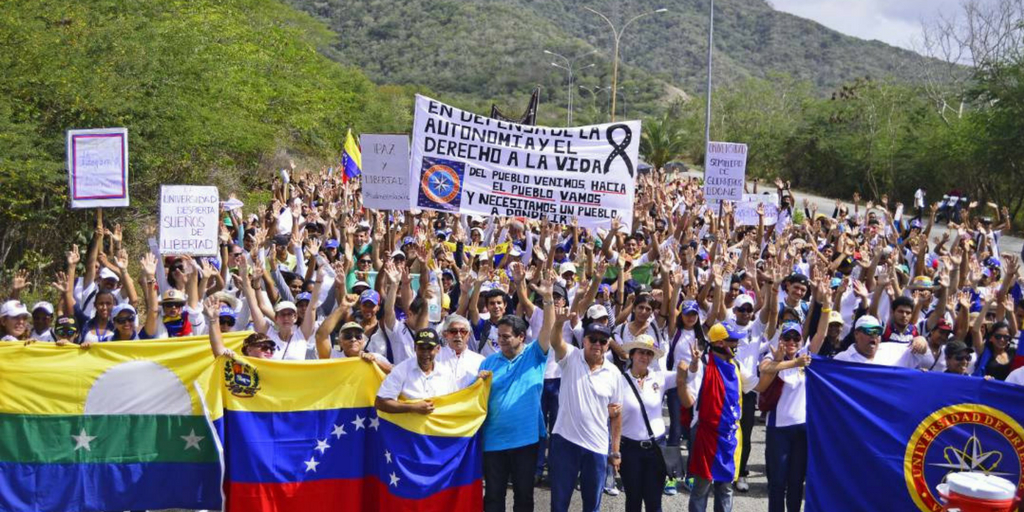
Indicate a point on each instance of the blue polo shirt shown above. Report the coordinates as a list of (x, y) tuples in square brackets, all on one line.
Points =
[(513, 409)]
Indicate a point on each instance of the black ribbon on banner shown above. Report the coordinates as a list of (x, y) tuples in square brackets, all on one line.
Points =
[(620, 147)]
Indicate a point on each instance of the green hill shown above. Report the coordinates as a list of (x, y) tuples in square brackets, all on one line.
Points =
[(480, 50), (210, 91)]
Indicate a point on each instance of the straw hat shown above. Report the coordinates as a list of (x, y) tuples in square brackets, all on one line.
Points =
[(644, 342)]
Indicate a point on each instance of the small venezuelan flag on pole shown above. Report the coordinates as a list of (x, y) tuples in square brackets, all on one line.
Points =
[(351, 157)]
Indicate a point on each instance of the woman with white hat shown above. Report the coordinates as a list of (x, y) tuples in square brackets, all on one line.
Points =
[(14, 321), (643, 427), (289, 338)]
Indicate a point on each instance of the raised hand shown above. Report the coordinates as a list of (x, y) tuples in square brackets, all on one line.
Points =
[(20, 280), (695, 355), (211, 308), (148, 264), (73, 257), (121, 260)]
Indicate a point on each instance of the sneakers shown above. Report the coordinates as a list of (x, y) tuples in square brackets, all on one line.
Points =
[(741, 485), (611, 491), (687, 484), (671, 487)]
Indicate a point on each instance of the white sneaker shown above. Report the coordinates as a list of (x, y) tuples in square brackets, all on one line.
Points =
[(611, 491), (741, 485)]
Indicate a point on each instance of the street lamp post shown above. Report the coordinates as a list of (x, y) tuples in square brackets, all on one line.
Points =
[(569, 63), (617, 34)]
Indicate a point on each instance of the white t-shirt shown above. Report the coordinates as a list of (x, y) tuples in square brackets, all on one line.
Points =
[(748, 353), (682, 350), (583, 401), (652, 390), (888, 354), (46, 335), (292, 349), (465, 367), (1016, 377), (929, 363), (408, 381), (401, 342), (338, 354), (792, 406)]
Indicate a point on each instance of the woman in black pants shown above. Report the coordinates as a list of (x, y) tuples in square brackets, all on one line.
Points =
[(642, 473)]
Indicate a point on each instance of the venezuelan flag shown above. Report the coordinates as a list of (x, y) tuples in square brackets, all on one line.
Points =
[(715, 452), (114, 427), (305, 437), (351, 157)]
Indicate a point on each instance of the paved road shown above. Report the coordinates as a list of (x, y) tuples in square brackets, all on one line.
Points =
[(1007, 244), (754, 501)]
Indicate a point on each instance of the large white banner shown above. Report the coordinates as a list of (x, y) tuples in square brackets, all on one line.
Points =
[(470, 164), (746, 210), (385, 171), (725, 168), (188, 220), (98, 167)]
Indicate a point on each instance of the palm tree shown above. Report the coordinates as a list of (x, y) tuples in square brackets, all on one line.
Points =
[(662, 141)]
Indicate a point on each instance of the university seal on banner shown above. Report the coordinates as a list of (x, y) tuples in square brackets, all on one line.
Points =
[(964, 437), (241, 379), (440, 184)]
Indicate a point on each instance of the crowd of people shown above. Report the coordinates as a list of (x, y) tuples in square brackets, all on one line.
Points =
[(586, 334)]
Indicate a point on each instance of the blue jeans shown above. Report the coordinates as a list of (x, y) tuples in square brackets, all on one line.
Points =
[(642, 475), (702, 490), (549, 411), (786, 457), (569, 461), (675, 424)]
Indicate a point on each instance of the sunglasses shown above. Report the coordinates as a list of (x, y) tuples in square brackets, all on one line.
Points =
[(871, 331), (263, 347), (744, 310), (462, 332), (791, 337), (66, 332), (236, 254), (1001, 337), (963, 358), (351, 335), (365, 262), (226, 320), (124, 319), (601, 340)]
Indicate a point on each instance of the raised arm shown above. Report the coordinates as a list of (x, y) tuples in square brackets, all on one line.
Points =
[(391, 276), (89, 275), (259, 322), (149, 290), (323, 333), (211, 308)]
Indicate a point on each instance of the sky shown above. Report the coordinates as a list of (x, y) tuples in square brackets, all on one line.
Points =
[(897, 22)]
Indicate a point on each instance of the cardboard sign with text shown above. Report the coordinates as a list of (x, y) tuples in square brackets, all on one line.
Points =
[(188, 220)]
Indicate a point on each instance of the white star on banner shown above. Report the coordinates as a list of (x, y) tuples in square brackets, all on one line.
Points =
[(192, 440), (387, 455), (311, 464), (359, 422), (82, 440), (375, 423), (322, 446), (339, 430), (394, 480)]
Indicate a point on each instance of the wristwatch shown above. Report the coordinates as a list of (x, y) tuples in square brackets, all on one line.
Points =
[(615, 455)]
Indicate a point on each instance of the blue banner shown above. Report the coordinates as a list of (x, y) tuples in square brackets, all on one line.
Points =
[(883, 438)]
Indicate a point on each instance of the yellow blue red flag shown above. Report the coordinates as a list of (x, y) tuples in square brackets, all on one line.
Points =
[(351, 157), (305, 437)]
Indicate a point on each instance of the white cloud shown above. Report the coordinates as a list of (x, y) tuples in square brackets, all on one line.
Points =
[(896, 22)]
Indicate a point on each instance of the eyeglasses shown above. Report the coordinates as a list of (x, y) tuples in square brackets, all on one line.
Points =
[(124, 319), (744, 310), (364, 262), (791, 337), (462, 332), (600, 340), (226, 320), (871, 331), (1001, 337), (351, 335)]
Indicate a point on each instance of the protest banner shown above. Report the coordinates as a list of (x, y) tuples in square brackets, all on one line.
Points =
[(469, 164), (385, 171), (746, 210), (725, 167), (98, 167), (188, 220)]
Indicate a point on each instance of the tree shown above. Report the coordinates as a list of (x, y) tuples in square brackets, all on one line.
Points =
[(663, 140)]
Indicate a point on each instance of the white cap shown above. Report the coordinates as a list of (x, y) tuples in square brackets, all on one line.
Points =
[(13, 308), (597, 311), (124, 306), (742, 299), (106, 273), (397, 253), (283, 305), (567, 267), (43, 305), (867, 321)]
